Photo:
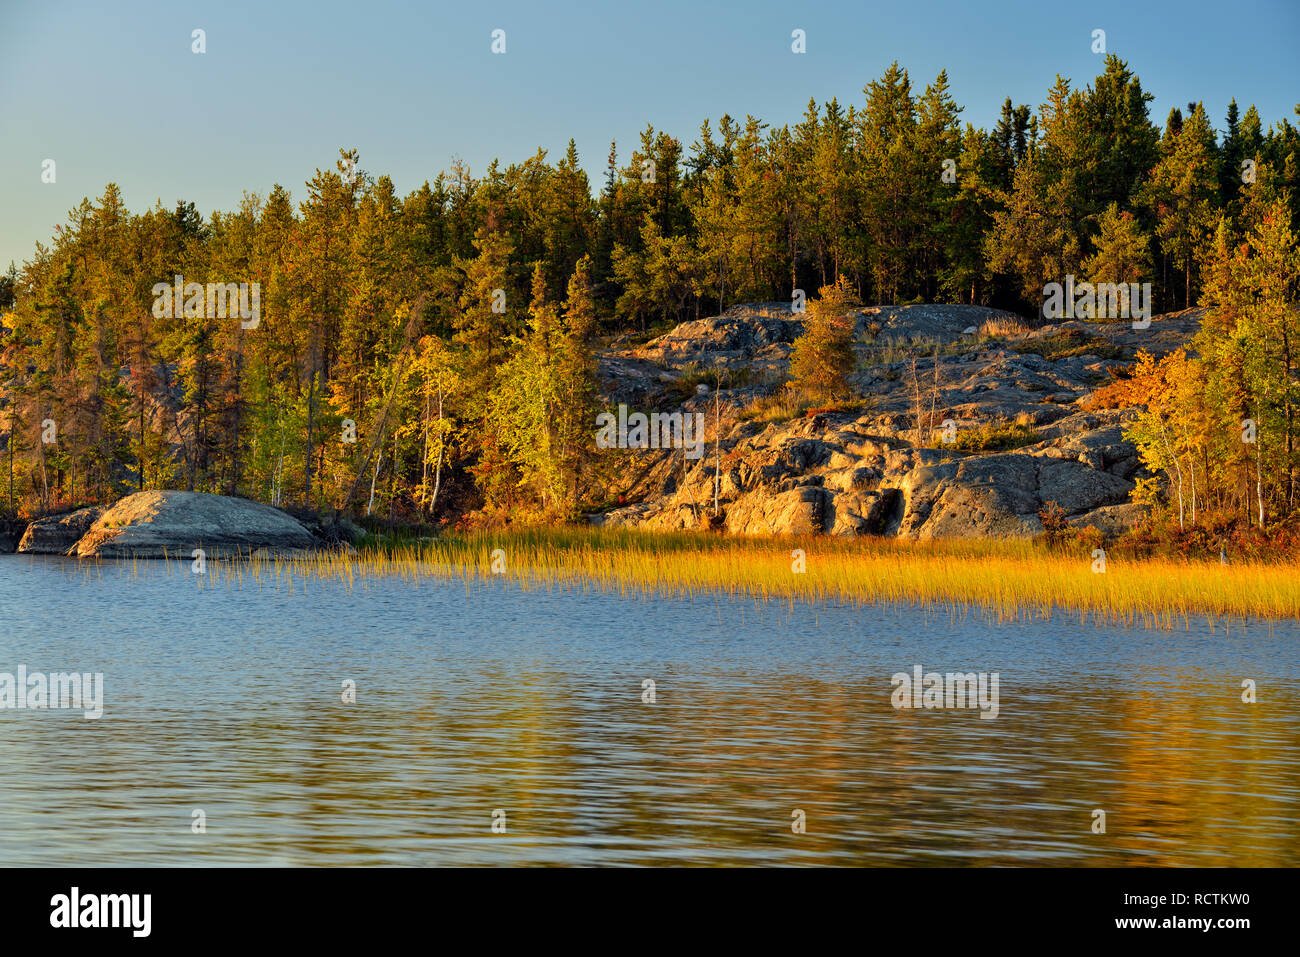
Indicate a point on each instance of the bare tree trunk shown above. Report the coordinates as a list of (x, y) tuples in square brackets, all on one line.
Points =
[(437, 471), (412, 326), (424, 453), (374, 476), (140, 481), (1259, 477), (1191, 467), (934, 389), (1290, 420), (311, 421), (717, 444), (917, 404), (235, 462), (392, 485), (1179, 470), (45, 481), (277, 491), (695, 508)]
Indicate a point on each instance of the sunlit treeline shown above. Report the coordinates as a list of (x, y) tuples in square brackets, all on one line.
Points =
[(431, 354)]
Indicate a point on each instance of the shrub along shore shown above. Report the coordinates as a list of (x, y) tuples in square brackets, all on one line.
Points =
[(1000, 580)]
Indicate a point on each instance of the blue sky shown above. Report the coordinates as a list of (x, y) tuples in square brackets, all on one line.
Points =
[(112, 91)]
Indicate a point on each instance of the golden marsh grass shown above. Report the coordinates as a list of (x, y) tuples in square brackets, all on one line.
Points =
[(1000, 580)]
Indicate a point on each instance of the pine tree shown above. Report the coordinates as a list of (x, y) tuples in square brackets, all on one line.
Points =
[(1121, 253), (485, 319), (1182, 193), (822, 357)]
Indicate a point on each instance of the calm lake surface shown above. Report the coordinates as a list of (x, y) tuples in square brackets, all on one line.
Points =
[(227, 699)]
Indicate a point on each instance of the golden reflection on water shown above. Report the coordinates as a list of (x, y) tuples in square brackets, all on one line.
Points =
[(755, 716), (712, 776)]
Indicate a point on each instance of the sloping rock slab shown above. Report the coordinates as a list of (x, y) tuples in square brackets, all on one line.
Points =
[(1000, 495), (58, 534), (159, 524)]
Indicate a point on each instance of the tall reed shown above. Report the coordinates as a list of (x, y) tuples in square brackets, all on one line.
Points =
[(1001, 580)]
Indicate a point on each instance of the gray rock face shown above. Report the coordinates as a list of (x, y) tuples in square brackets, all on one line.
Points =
[(845, 481), (758, 336), (750, 336), (58, 534), (936, 321), (884, 469), (1094, 438), (159, 524), (999, 496)]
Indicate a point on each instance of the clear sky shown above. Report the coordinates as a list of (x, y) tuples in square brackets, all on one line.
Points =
[(112, 91)]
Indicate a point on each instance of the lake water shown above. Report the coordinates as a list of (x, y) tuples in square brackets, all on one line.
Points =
[(227, 700)]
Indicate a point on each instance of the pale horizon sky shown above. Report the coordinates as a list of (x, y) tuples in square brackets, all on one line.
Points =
[(114, 93)]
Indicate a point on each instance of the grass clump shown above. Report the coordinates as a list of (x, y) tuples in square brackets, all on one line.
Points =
[(693, 374), (1068, 344), (1003, 327), (787, 403), (1001, 435)]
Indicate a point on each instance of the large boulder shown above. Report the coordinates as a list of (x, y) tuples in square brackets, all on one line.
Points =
[(999, 496), (161, 524), (1077, 488), (862, 513), (58, 534), (798, 511)]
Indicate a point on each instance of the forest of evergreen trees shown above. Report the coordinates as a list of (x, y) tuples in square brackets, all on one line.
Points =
[(454, 327)]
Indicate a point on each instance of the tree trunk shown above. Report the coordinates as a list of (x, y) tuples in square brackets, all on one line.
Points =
[(378, 462), (1178, 469), (1259, 477), (311, 421)]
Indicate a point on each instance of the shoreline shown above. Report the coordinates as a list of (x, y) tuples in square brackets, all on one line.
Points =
[(1005, 580)]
